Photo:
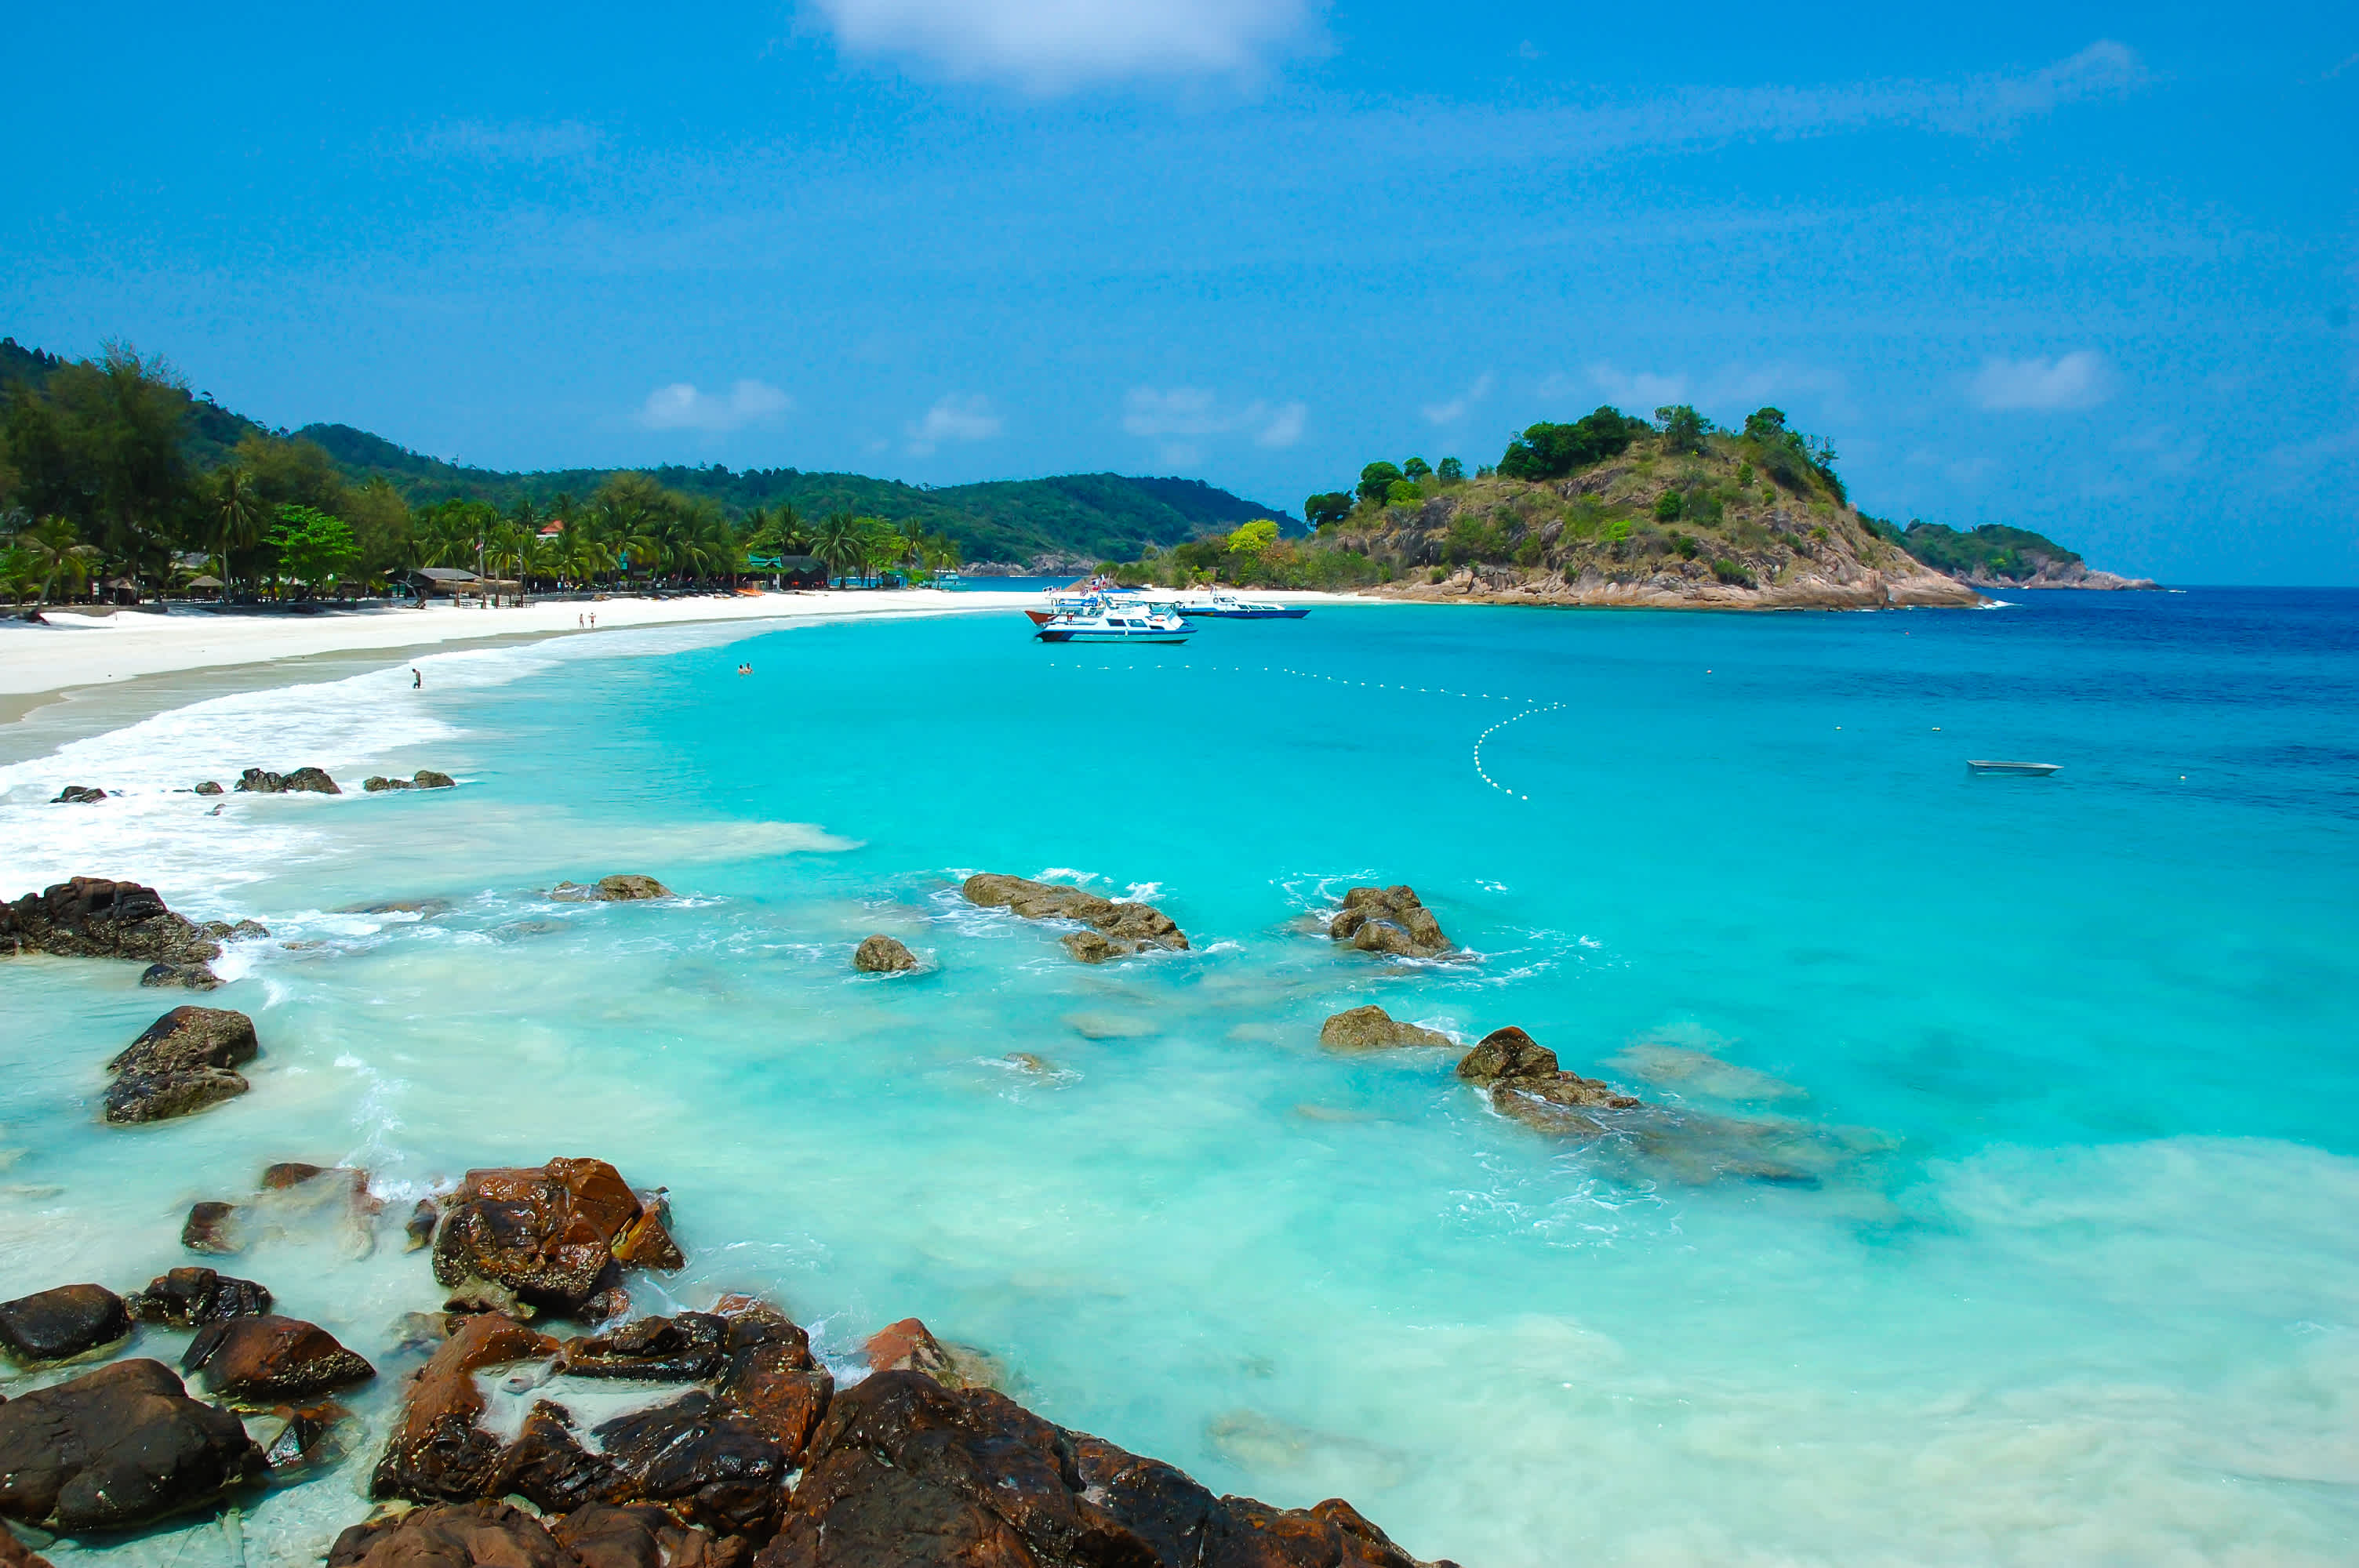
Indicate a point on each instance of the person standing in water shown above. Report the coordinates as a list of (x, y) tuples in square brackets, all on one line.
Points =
[(416, 680)]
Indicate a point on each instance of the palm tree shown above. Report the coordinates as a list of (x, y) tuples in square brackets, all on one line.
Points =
[(52, 550), (587, 557), (837, 541), (236, 517)]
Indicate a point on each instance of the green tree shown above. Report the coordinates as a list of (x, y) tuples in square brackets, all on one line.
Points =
[(1328, 506), (1252, 540), (1416, 468), (836, 539), (1376, 481), (1403, 493), (236, 513), (1451, 471), (1551, 452), (48, 552), (1683, 429), (311, 546), (1669, 507)]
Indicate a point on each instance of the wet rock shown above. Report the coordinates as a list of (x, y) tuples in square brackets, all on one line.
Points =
[(684, 1349), (56, 1325), (377, 783), (213, 1227), (1525, 1082), (643, 1536), (547, 1466), (189, 977), (1373, 1029), (207, 787), (193, 1296), (246, 929), (450, 1535), (1390, 921), (551, 1234), (269, 1360), (710, 1466), (908, 1472), (427, 778), (420, 1227), (78, 794), (624, 888), (261, 780), (15, 1553), (92, 917), (909, 1346), (771, 1378), (117, 1448), (425, 908), (297, 1441), (881, 954), (181, 1063), (436, 1452), (1117, 930)]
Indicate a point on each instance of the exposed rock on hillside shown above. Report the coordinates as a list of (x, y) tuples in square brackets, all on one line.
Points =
[(1116, 929)]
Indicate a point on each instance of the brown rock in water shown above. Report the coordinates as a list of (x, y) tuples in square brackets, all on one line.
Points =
[(1372, 1028), (307, 1438), (207, 787), (909, 1346), (1116, 929), (436, 1452), (712, 1467), (56, 1325), (881, 954), (684, 1349), (269, 1360), (181, 1063), (377, 783), (1391, 921), (92, 917), (420, 1227), (1525, 1082), (547, 1466), (451, 1535), (771, 1378), (189, 977), (1508, 1053), (624, 888), (117, 1448), (79, 794), (262, 781), (213, 1227), (427, 778), (643, 1536), (908, 1472), (192, 1297), (15, 1553), (549, 1234)]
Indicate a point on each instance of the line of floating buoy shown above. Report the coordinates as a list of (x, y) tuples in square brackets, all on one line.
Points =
[(1484, 774)]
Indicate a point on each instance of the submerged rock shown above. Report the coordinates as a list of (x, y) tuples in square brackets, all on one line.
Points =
[(79, 794), (189, 977), (298, 1441), (210, 786), (909, 1346), (213, 1227), (117, 1448), (883, 954), (1391, 921), (1523, 1081), (262, 781), (625, 888), (1116, 929), (192, 1297), (269, 1360), (1372, 1028), (92, 917), (57, 1325), (554, 1235), (181, 1063)]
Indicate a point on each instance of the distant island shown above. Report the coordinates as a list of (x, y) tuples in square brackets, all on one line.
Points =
[(113, 476)]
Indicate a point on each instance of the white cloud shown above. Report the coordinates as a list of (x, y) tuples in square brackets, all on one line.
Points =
[(1195, 411), (954, 417), (681, 407), (1047, 44), (519, 142), (2077, 380), (1452, 412)]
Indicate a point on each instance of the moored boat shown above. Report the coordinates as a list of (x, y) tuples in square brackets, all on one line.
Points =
[(1115, 624), (2039, 770), (1229, 607)]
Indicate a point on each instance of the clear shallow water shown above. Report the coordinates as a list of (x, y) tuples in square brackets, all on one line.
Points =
[(2078, 1284)]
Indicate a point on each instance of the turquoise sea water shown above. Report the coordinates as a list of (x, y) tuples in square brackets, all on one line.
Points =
[(2072, 1061)]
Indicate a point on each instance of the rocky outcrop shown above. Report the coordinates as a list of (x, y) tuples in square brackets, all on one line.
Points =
[(213, 1227), (183, 1063), (627, 888), (262, 781), (1835, 583), (770, 1377), (436, 1451), (1115, 930), (1373, 1029), (424, 778), (910, 1346), (117, 1448), (193, 1297), (684, 1349), (1523, 1081), (882, 955), (1390, 921), (79, 794), (222, 931), (555, 1236), (269, 1360), (92, 917), (500, 1535), (60, 1323), (210, 786), (906, 1471), (185, 977)]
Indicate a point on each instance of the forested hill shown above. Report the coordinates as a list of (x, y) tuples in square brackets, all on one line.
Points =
[(1101, 516)]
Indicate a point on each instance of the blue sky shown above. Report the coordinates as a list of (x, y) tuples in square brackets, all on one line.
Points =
[(2090, 269)]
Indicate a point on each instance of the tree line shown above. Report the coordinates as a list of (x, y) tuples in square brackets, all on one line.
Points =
[(101, 497)]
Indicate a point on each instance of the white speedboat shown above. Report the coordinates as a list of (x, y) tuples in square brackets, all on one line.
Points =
[(1115, 624), (1229, 607)]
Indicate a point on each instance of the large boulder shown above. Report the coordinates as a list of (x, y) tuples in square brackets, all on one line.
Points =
[(910, 1346), (187, 977), (262, 781), (117, 1448), (770, 1375), (1372, 1028), (436, 1452), (455, 1535), (57, 1325), (1390, 921), (908, 1473), (181, 1063), (708, 1464), (79, 794), (625, 888), (883, 954), (554, 1234), (193, 1297), (1523, 1080), (270, 1360), (1115, 929), (92, 917)]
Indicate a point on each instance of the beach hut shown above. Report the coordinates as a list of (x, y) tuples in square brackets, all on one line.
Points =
[(801, 571), (428, 581)]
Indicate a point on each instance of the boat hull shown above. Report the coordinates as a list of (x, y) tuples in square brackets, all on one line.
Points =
[(2029, 770), (1272, 613), (1068, 634)]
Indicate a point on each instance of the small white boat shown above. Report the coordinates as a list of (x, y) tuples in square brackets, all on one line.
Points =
[(2037, 769), (1115, 624), (1229, 607)]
